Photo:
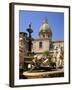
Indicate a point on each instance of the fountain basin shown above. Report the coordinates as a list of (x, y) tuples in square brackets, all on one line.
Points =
[(44, 74)]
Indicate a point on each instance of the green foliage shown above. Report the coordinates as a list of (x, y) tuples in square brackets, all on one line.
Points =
[(45, 53)]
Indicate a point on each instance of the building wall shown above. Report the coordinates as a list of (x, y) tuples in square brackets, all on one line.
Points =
[(45, 46), (21, 51), (58, 44), (22, 48)]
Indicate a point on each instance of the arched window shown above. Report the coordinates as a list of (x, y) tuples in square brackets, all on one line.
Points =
[(40, 44), (43, 36)]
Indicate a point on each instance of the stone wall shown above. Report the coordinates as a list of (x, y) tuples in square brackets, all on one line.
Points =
[(45, 46)]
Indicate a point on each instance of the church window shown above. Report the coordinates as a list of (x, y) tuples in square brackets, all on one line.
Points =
[(43, 36), (40, 44), (48, 35)]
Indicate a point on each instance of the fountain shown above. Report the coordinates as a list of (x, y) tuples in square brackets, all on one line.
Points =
[(43, 68), (40, 66), (40, 69)]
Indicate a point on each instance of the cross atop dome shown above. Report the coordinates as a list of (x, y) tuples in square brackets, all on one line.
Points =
[(46, 20)]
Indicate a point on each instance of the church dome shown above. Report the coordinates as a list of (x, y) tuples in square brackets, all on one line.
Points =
[(45, 29)]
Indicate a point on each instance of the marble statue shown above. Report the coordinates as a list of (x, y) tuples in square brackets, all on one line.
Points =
[(59, 57)]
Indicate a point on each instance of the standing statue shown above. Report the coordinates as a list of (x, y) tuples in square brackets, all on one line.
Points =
[(54, 58), (59, 61)]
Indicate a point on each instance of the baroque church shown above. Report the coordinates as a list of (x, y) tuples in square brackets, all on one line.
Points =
[(42, 43)]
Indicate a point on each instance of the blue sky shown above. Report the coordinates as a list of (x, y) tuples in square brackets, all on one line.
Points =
[(55, 21)]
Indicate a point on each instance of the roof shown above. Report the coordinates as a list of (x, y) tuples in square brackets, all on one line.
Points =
[(40, 39), (59, 41), (24, 33)]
